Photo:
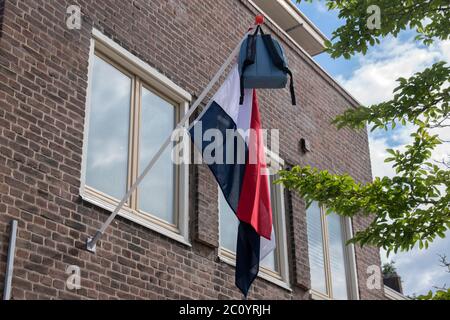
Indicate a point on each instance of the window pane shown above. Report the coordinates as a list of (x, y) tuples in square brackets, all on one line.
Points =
[(315, 248), (229, 227), (228, 224), (157, 190), (107, 151), (269, 261), (337, 257)]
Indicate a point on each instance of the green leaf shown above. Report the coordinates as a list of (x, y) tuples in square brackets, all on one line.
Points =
[(412, 207)]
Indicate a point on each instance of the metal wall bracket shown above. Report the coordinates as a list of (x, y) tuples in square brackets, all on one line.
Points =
[(90, 246), (91, 242), (10, 261)]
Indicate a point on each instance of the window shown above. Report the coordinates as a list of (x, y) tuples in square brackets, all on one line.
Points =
[(331, 260), (131, 110), (274, 267)]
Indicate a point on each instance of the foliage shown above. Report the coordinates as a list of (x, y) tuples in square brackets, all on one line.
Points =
[(429, 18), (411, 208), (441, 293), (389, 269)]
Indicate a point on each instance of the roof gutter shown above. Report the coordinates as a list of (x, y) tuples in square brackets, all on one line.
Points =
[(303, 21)]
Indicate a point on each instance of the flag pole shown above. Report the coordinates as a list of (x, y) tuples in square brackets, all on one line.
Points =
[(91, 242)]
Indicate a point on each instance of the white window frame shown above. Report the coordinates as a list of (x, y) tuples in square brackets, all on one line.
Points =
[(181, 98), (280, 278), (349, 256)]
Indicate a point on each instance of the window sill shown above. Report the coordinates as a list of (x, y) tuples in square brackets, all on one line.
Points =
[(261, 274), (394, 295), (136, 217), (315, 295)]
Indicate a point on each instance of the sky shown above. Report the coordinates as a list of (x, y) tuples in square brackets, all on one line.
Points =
[(371, 79)]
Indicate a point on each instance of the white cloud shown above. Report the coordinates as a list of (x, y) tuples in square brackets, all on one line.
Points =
[(419, 269), (377, 155), (375, 79), (378, 145), (321, 7), (373, 82)]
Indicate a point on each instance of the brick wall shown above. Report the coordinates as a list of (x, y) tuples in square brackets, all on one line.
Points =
[(43, 83)]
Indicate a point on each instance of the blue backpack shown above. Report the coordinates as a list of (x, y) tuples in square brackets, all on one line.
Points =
[(262, 64)]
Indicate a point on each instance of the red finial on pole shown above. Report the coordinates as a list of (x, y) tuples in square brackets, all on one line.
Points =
[(259, 19)]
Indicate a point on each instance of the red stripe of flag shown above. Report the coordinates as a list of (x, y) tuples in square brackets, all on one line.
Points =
[(254, 203)]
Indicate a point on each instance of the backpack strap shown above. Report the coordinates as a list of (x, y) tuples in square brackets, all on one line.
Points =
[(278, 62), (249, 59)]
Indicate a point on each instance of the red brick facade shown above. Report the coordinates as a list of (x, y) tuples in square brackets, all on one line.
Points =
[(43, 84)]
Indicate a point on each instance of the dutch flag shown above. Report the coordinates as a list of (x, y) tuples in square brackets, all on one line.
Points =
[(240, 170)]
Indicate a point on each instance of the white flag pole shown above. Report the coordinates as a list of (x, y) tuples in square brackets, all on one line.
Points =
[(92, 241)]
